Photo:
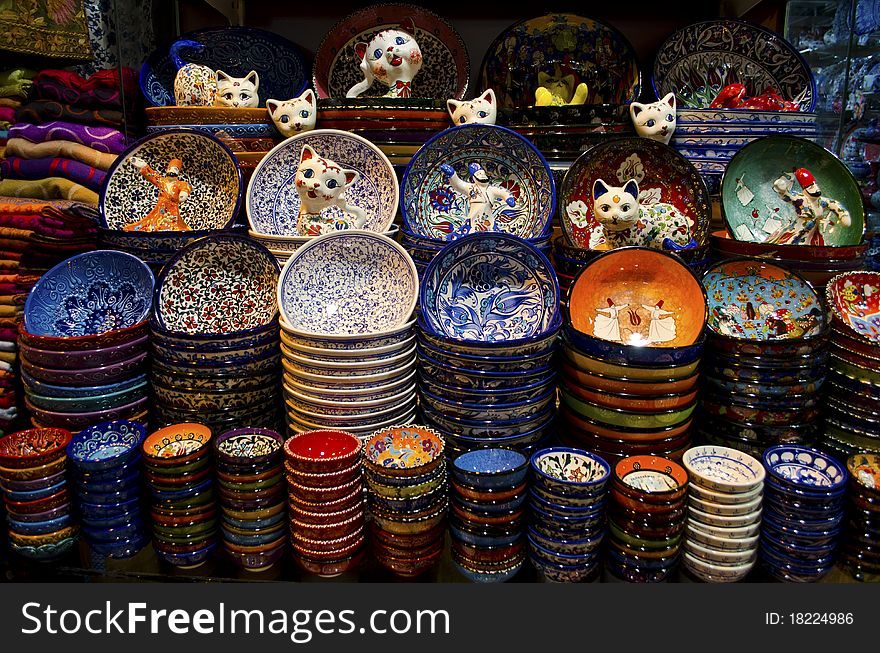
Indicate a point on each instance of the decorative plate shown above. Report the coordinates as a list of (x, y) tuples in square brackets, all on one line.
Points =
[(445, 67), (247, 445), (804, 466), (217, 285), (699, 60), (432, 208), (348, 282), (855, 299), (282, 68), (90, 294), (575, 466), (403, 447), (638, 296), (561, 44), (489, 287), (751, 299), (177, 440), (273, 203), (208, 167), (663, 175), (755, 211)]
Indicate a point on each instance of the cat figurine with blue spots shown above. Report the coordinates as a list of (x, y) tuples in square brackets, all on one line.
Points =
[(656, 121), (320, 184), (295, 115), (482, 110)]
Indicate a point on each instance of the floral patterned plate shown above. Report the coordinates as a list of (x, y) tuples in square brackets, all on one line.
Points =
[(445, 68), (557, 45), (489, 287), (432, 208), (403, 448), (273, 203), (348, 282), (208, 172), (90, 294), (751, 299), (217, 285), (663, 176), (855, 299)]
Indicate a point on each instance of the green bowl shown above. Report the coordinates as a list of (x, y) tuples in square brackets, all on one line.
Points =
[(617, 417), (855, 372)]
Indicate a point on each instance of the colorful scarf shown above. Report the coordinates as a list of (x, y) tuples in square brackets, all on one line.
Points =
[(101, 90), (26, 150), (18, 168), (54, 188), (49, 29), (102, 139), (39, 112)]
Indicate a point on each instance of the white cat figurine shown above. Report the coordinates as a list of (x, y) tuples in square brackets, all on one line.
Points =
[(482, 110), (320, 184), (626, 222), (393, 57), (295, 115), (237, 91), (656, 120), (195, 85)]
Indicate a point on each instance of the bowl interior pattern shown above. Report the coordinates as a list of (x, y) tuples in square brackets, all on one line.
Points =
[(176, 441), (106, 441), (404, 447), (855, 299), (571, 466)]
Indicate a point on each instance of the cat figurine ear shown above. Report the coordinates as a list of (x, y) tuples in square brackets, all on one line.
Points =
[(632, 187), (307, 153), (351, 176), (599, 188)]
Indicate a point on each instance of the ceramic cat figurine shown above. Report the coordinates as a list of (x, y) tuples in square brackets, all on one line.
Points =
[(626, 222), (238, 91), (558, 90), (483, 110), (656, 120), (320, 184), (294, 116), (393, 57), (195, 85)]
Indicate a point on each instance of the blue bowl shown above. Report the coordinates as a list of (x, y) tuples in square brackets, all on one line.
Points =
[(804, 553), (462, 377), (124, 495), (487, 397), (109, 523), (131, 530), (579, 501), (40, 527), (177, 495), (621, 354), (488, 364), (550, 523), (492, 507), (784, 520), (488, 428), (69, 392), (556, 573), (522, 442), (500, 349), (575, 512), (254, 540), (483, 537), (109, 510), (490, 468), (503, 574), (34, 484), (804, 468), (36, 495), (805, 493), (548, 472), (122, 549), (86, 477), (481, 412), (130, 481), (797, 566), (584, 546), (796, 539), (795, 533), (106, 446), (190, 559), (548, 555)]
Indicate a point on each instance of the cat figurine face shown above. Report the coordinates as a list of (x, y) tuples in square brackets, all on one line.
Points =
[(655, 121), (616, 208), (237, 91), (293, 116), (320, 184), (481, 110), (393, 57)]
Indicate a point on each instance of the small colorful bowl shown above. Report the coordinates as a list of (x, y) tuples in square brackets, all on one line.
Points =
[(106, 446), (33, 447), (722, 469), (490, 468), (804, 468), (569, 472), (177, 444), (408, 450), (660, 478), (322, 450)]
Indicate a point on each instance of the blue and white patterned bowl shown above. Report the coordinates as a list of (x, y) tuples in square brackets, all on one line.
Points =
[(273, 203), (805, 468), (488, 364), (295, 338), (464, 378), (352, 282), (497, 349), (723, 469), (90, 294), (487, 397), (569, 472)]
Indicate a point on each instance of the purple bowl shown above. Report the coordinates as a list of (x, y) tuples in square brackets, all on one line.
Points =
[(79, 421), (90, 376), (46, 515), (78, 360), (31, 485), (83, 343)]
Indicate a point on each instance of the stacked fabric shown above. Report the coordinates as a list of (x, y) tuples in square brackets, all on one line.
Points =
[(14, 88)]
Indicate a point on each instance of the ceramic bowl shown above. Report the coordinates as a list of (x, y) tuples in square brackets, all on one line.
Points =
[(719, 497), (322, 450), (724, 521), (251, 446), (507, 291), (661, 478), (177, 445), (804, 467), (490, 363), (579, 363), (721, 469), (408, 451), (855, 306), (731, 509), (461, 377), (616, 417), (713, 572), (33, 448), (106, 446), (569, 472)]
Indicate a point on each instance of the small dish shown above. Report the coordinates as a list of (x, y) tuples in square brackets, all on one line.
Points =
[(569, 471), (403, 451), (855, 300), (33, 447), (659, 477), (804, 467), (322, 450), (722, 469), (176, 444), (490, 468), (106, 446)]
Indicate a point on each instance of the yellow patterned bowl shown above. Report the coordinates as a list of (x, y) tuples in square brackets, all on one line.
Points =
[(404, 451)]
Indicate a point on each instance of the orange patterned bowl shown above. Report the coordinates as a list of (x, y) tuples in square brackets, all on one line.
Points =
[(651, 477), (33, 447), (177, 444), (404, 451)]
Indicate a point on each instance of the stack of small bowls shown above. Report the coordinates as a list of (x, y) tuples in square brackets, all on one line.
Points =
[(859, 542), (632, 345), (407, 497), (83, 341), (486, 369), (38, 503), (803, 513), (724, 519), (249, 464), (487, 521), (852, 397), (325, 494), (766, 357), (105, 465), (347, 342), (180, 483), (568, 495), (646, 519)]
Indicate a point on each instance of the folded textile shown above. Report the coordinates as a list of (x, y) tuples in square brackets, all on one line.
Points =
[(6, 311), (102, 139), (18, 168), (9, 300), (38, 112), (10, 102), (7, 114), (109, 78), (100, 91), (39, 224), (25, 149), (13, 75), (53, 188), (8, 346), (6, 124), (8, 264)]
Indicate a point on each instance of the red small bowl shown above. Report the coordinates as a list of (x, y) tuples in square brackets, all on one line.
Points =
[(41, 505), (329, 568), (33, 473), (312, 518), (322, 495), (669, 478), (330, 550), (33, 447), (323, 479), (322, 450), (303, 532), (355, 497)]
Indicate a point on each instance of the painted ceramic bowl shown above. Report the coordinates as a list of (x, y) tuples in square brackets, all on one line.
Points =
[(491, 468), (218, 285), (248, 446), (371, 288), (658, 477), (33, 447), (432, 207), (557, 45), (77, 360), (803, 467), (786, 163), (322, 451), (854, 297), (722, 469), (106, 446), (569, 472), (89, 295), (864, 470), (403, 451), (209, 174), (489, 287), (664, 177), (177, 444), (84, 343), (333, 342)]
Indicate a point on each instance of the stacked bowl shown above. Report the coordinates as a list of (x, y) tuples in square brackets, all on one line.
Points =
[(325, 494), (632, 344), (487, 521), (852, 397), (646, 519), (83, 341), (407, 498), (105, 469), (214, 336), (183, 503), (724, 518), (249, 465), (347, 341), (568, 497), (803, 513), (766, 357), (858, 545), (488, 325), (40, 522)]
